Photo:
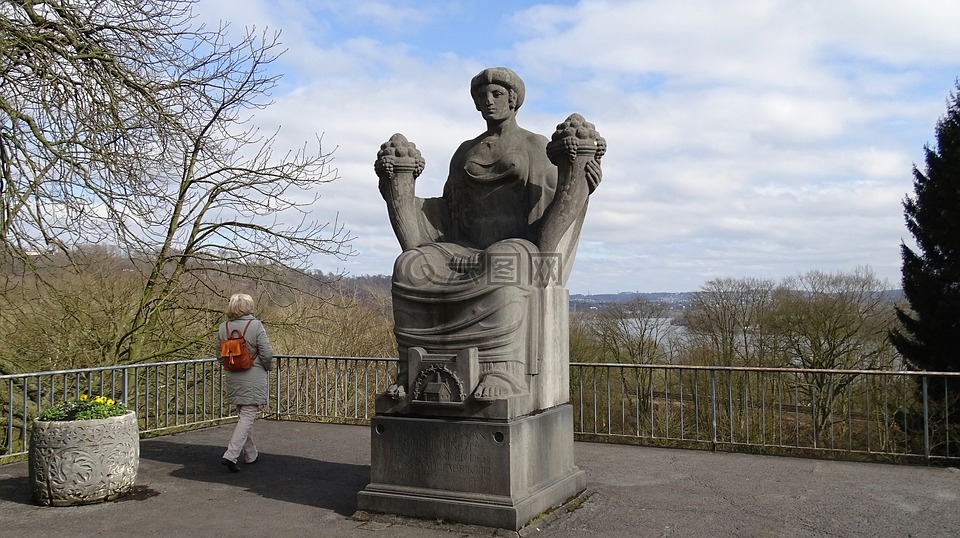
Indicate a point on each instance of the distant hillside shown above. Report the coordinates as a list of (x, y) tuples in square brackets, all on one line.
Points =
[(629, 296), (677, 301), (578, 301)]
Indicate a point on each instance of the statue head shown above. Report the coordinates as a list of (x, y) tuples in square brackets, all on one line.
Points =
[(503, 77)]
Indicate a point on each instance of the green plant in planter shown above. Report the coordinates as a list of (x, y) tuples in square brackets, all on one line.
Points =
[(85, 408)]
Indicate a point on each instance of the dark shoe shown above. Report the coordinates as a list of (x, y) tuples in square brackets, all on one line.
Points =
[(232, 465)]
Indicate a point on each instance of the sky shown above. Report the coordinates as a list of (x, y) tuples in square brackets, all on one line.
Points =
[(746, 138)]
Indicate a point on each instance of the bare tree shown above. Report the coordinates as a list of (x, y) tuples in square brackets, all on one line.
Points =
[(583, 347), (632, 332), (833, 321), (726, 319), (124, 123)]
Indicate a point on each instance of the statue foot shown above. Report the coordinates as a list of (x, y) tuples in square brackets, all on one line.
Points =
[(497, 386)]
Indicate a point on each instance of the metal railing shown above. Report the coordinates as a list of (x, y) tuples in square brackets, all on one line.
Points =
[(328, 389), (867, 415), (164, 395), (841, 414), (181, 395)]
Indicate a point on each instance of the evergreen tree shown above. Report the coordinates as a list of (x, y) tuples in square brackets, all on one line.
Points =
[(930, 335)]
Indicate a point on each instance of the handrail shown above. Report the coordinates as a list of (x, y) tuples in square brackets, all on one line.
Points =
[(876, 415), (873, 415), (767, 369)]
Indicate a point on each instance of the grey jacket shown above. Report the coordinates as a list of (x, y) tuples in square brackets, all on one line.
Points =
[(249, 387)]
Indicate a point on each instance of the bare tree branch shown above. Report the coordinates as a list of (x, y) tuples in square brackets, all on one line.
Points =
[(124, 124)]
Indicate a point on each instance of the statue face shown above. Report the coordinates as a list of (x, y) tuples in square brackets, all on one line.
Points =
[(493, 102)]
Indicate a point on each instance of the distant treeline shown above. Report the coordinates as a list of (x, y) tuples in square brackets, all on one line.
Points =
[(678, 301)]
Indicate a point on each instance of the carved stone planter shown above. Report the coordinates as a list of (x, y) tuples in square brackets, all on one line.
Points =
[(83, 461)]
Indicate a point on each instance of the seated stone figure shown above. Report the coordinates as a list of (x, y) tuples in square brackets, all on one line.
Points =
[(476, 261)]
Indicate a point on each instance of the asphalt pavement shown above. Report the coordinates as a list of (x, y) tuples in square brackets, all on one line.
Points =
[(308, 476)]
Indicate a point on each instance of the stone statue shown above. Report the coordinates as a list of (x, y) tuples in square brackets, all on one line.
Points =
[(477, 286), (477, 427)]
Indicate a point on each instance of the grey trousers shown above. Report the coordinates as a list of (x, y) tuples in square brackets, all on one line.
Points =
[(242, 439)]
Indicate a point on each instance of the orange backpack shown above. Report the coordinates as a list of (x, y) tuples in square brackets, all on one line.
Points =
[(234, 354)]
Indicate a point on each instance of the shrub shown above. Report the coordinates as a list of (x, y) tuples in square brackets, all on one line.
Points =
[(85, 408)]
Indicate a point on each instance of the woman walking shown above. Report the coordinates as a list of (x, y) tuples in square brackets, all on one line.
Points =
[(246, 389)]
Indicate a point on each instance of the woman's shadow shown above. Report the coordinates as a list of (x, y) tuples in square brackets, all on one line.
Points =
[(295, 479)]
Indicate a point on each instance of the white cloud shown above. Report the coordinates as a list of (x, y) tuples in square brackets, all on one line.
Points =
[(746, 138)]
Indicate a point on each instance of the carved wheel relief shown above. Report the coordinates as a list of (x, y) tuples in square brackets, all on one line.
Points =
[(435, 377)]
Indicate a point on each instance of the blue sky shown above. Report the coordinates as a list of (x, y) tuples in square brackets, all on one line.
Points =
[(747, 138)]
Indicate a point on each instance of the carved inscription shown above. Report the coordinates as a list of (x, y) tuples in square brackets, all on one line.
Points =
[(445, 458)]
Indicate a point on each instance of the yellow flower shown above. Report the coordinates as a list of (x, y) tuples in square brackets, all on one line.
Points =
[(83, 397), (109, 401)]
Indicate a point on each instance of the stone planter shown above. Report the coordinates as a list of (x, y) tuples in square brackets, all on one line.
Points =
[(83, 461)]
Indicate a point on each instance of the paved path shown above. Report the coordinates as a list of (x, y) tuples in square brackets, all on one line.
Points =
[(309, 476)]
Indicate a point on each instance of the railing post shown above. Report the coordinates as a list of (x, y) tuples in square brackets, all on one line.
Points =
[(9, 417), (713, 407), (926, 421), (124, 379), (276, 401), (814, 415)]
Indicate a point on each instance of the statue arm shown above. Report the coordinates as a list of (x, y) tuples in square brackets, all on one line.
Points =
[(542, 177), (415, 220), (576, 149), (434, 219)]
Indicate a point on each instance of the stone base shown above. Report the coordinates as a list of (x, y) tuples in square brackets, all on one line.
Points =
[(492, 473)]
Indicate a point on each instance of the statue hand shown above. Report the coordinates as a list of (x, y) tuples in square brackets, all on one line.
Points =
[(577, 136), (593, 173)]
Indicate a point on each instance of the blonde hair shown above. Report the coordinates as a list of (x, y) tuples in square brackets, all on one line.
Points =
[(240, 305)]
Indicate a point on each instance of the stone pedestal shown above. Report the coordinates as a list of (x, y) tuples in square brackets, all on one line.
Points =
[(480, 472)]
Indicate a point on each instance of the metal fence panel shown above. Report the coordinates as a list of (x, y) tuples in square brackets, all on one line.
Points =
[(840, 414)]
